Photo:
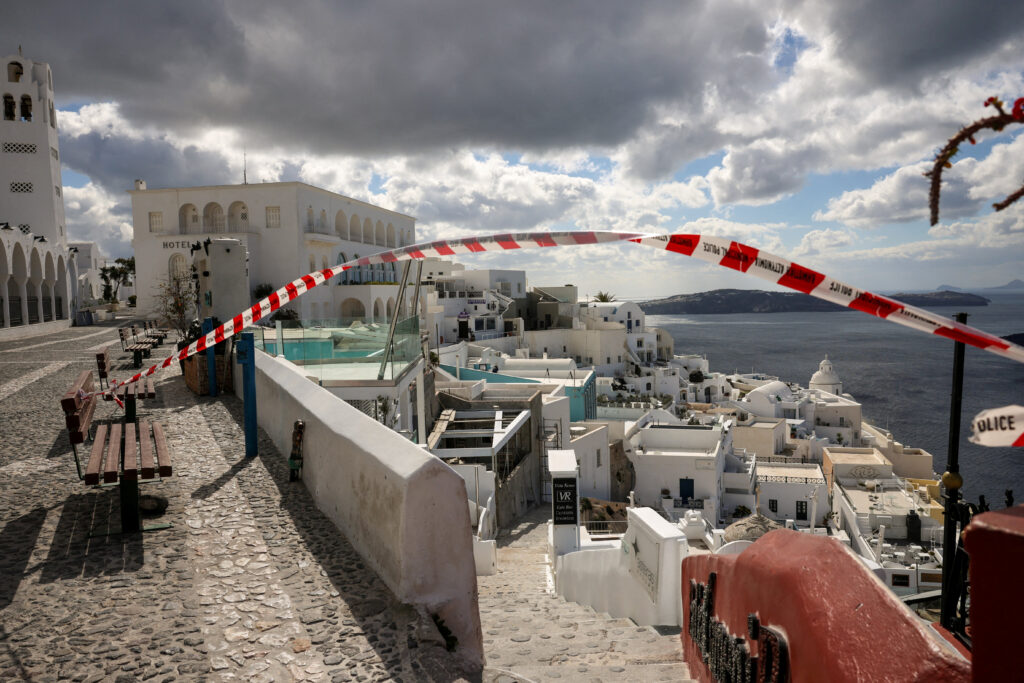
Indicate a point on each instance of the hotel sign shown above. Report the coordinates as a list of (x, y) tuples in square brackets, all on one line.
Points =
[(564, 501), (729, 657)]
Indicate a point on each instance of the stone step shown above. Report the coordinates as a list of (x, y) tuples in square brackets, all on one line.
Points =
[(635, 673)]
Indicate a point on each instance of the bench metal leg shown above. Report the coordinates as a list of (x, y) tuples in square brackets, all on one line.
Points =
[(131, 518), (137, 359), (129, 410)]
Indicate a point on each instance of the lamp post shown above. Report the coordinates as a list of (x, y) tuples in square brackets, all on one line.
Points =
[(952, 481)]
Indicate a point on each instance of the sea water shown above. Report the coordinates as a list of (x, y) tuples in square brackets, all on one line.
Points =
[(902, 377)]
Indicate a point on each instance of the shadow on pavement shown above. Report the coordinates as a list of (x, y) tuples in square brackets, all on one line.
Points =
[(17, 541)]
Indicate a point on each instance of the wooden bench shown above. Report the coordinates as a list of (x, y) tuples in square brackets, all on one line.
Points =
[(153, 331), (78, 412), (136, 348), (147, 336), (129, 393), (121, 453), (103, 366)]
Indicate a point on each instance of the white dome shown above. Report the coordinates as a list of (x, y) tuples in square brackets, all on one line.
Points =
[(825, 376)]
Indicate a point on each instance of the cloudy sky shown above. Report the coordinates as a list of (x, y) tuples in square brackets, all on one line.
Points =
[(798, 127)]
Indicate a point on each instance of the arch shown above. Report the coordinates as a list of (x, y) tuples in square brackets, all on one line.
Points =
[(213, 218), (5, 275), (17, 301), (26, 107), (238, 217), (321, 222), (49, 274), (341, 225), (10, 108), (34, 287), (380, 238), (323, 262), (14, 72), (188, 220), (312, 262), (352, 308), (309, 218), (355, 230), (378, 310), (391, 236), (61, 293), (391, 307), (177, 267), (368, 232)]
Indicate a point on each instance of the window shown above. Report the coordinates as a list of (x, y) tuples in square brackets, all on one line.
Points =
[(21, 187), (273, 216), (26, 107), (9, 108), (312, 263), (19, 148), (901, 580), (608, 360), (598, 457), (53, 153), (773, 505), (177, 267), (53, 117), (156, 221), (801, 510), (56, 190), (14, 72)]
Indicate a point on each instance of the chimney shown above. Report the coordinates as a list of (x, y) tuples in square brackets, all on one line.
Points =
[(140, 184)]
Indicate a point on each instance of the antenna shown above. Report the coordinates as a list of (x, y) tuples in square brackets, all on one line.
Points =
[(245, 180)]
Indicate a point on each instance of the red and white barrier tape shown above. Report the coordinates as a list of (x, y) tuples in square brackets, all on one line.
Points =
[(726, 253), (999, 427)]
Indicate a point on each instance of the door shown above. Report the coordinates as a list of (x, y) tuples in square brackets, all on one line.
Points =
[(463, 329), (686, 489), (801, 510)]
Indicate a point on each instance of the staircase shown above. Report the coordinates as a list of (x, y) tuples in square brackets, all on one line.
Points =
[(531, 634)]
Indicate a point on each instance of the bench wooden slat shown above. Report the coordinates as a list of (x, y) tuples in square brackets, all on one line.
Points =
[(71, 400), (146, 451), (92, 470), (131, 472), (78, 422), (112, 463), (163, 455), (150, 389)]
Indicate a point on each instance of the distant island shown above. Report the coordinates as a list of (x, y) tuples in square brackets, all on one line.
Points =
[(1011, 286), (758, 301)]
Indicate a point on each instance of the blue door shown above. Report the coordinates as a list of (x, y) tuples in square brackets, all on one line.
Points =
[(686, 489)]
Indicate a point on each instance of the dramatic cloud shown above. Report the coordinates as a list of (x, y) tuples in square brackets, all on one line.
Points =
[(95, 216)]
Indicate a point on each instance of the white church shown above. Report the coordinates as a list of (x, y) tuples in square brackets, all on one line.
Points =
[(38, 276)]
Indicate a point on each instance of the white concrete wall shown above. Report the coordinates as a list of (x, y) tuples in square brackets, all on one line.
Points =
[(402, 509), (602, 578), (595, 480)]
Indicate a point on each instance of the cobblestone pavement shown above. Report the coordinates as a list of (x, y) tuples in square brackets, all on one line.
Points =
[(250, 583), (533, 634)]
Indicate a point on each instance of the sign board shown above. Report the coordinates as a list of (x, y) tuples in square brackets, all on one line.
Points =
[(565, 505)]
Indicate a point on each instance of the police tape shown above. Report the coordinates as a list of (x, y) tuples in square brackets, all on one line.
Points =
[(726, 253), (999, 427)]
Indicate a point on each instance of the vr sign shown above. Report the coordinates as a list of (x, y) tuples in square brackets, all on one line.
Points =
[(564, 501)]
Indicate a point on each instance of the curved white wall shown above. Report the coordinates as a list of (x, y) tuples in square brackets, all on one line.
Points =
[(401, 508)]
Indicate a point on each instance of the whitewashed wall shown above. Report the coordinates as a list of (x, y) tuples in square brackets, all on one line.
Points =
[(605, 579), (402, 509)]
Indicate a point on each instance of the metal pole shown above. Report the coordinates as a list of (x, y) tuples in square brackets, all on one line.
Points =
[(952, 481), (394, 321), (211, 358), (246, 355)]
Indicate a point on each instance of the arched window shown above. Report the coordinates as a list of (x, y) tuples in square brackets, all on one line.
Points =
[(312, 263), (341, 225), (188, 219), (355, 229), (26, 107), (177, 267), (323, 262), (391, 235), (9, 108), (213, 218), (309, 219), (14, 72), (322, 223), (238, 217)]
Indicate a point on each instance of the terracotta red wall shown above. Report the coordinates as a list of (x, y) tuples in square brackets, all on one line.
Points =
[(995, 543), (840, 623)]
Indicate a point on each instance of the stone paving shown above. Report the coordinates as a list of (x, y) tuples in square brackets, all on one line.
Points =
[(252, 582)]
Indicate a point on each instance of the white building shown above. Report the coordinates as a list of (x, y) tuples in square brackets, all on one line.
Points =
[(89, 259), (289, 229), (38, 280)]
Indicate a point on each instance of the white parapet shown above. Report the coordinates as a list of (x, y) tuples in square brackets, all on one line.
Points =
[(402, 509), (638, 579)]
